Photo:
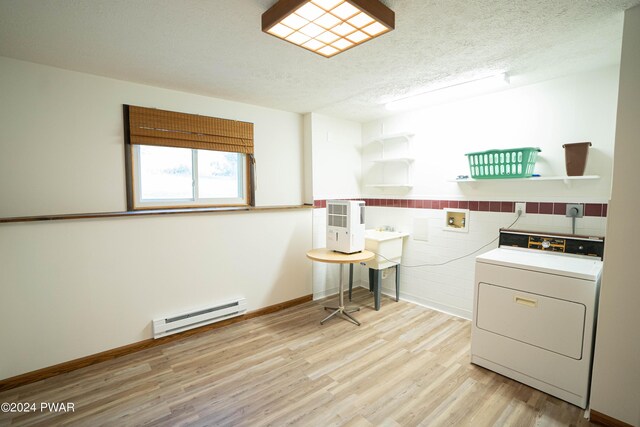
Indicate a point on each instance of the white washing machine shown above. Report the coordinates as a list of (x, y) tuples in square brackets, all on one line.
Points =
[(535, 308)]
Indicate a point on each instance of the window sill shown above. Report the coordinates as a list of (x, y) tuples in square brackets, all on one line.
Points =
[(149, 212)]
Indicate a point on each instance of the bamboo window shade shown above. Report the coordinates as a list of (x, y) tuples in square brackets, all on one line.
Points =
[(150, 126)]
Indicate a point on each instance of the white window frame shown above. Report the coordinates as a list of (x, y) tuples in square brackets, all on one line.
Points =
[(195, 201)]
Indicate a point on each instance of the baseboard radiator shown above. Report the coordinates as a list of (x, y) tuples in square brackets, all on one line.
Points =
[(185, 321)]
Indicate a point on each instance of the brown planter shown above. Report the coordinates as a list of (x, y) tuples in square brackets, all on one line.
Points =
[(575, 156)]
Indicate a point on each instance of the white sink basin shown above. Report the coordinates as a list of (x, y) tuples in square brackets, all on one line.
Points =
[(381, 236), (387, 245)]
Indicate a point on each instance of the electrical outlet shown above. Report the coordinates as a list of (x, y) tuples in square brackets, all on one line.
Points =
[(521, 206), (578, 212)]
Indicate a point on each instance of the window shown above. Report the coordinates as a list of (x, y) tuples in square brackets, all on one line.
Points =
[(171, 176), (178, 160)]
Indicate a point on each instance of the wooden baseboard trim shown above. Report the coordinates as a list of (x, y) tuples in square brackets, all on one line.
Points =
[(72, 365), (606, 420)]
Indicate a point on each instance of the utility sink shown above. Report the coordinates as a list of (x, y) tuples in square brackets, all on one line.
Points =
[(388, 244)]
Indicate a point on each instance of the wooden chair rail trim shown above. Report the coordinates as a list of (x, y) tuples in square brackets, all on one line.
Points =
[(147, 212), (606, 420), (72, 365)]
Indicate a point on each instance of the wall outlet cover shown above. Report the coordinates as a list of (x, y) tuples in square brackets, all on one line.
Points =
[(521, 206), (578, 206)]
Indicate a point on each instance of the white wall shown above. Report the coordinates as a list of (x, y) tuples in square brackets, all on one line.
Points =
[(62, 140), (336, 145), (449, 288), (336, 157), (616, 371), (74, 288), (547, 115), (308, 160)]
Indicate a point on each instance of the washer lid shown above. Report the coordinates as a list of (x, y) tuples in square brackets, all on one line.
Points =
[(552, 263)]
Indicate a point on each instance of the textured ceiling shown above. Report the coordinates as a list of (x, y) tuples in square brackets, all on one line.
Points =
[(217, 48)]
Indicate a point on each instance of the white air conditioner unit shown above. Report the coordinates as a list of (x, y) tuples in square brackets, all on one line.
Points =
[(345, 226)]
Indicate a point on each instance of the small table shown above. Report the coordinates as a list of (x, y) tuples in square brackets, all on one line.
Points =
[(329, 256)]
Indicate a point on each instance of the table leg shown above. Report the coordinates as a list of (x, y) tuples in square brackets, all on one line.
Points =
[(341, 308), (377, 289), (397, 282), (329, 316), (350, 280)]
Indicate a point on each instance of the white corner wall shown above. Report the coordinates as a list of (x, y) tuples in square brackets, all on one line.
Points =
[(62, 140), (580, 107), (336, 157), (75, 288), (616, 371), (449, 288), (336, 145), (308, 160)]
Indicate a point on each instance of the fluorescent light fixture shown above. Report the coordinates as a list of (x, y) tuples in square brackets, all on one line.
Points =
[(313, 44), (342, 44), (327, 37), (361, 20), (357, 37), (312, 30), (451, 93), (328, 27), (298, 38), (326, 21)]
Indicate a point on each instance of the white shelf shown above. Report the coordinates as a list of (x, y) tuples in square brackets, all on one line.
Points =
[(566, 179), (394, 161), (407, 186), (406, 160), (384, 138)]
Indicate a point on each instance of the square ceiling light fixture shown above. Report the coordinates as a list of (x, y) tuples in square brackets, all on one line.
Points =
[(328, 27)]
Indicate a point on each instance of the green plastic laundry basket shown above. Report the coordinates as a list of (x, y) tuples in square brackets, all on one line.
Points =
[(500, 164)]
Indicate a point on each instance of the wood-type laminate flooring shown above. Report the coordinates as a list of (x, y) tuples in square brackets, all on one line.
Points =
[(405, 366)]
